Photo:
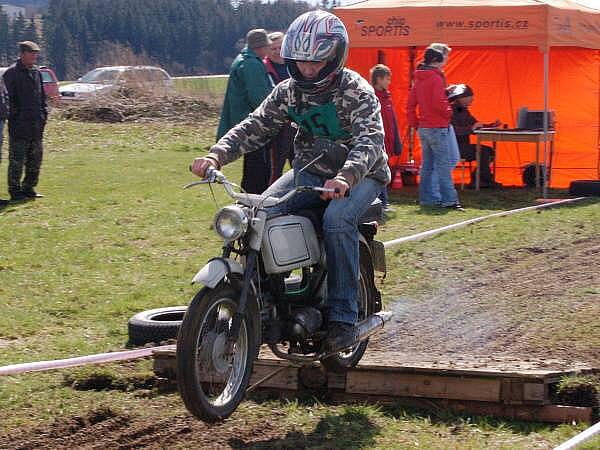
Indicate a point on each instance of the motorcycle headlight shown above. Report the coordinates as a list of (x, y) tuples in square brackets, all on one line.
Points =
[(231, 223)]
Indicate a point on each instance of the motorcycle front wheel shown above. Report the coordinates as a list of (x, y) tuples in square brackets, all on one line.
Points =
[(211, 380)]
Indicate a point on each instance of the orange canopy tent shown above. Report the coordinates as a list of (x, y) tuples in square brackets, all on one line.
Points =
[(540, 54)]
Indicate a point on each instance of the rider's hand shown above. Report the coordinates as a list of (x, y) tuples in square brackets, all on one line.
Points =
[(335, 183), (201, 165)]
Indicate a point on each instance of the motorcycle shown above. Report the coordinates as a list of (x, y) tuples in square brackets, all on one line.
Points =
[(268, 287)]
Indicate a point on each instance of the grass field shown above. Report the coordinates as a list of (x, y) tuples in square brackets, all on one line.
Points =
[(116, 234)]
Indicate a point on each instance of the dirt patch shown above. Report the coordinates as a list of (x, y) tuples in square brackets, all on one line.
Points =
[(100, 381), (504, 318), (132, 106), (105, 428)]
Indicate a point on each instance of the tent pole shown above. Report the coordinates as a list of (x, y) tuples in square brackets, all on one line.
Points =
[(546, 172), (412, 55)]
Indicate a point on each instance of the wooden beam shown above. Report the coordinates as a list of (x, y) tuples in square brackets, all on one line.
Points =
[(428, 386)]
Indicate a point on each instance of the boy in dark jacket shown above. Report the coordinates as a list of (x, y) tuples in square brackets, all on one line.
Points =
[(461, 97), (26, 122), (381, 77)]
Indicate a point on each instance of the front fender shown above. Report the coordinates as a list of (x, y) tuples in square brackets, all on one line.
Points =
[(215, 270)]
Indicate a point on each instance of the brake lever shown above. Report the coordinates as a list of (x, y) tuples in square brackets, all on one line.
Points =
[(196, 183)]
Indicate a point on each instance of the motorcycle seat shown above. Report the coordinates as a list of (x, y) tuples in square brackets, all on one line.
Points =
[(367, 223)]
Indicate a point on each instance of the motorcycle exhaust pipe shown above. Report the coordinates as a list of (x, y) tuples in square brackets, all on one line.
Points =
[(372, 324)]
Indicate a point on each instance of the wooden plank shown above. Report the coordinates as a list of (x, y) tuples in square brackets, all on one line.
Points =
[(535, 392), (405, 385), (525, 374), (286, 379), (528, 413)]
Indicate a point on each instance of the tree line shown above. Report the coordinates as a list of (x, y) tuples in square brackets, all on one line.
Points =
[(183, 36), (13, 31)]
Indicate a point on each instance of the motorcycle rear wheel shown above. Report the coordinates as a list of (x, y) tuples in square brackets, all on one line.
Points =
[(342, 361), (212, 383)]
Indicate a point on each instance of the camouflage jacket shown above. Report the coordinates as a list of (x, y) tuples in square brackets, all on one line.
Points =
[(358, 128)]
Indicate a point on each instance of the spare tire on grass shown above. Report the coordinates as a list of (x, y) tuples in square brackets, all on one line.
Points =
[(155, 325), (585, 188)]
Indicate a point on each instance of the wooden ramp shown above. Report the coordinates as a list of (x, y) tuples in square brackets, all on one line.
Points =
[(522, 394)]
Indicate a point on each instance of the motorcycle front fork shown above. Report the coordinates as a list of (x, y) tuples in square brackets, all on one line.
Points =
[(234, 331)]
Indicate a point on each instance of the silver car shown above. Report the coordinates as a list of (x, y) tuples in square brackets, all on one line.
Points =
[(106, 79)]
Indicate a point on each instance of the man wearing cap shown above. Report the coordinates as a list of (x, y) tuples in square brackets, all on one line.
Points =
[(26, 121), (247, 87)]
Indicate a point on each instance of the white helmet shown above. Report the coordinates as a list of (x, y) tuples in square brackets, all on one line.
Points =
[(316, 36)]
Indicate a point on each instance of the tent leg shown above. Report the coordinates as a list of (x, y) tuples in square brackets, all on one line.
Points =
[(546, 174)]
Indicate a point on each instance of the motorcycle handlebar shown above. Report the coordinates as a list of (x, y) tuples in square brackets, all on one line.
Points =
[(213, 175)]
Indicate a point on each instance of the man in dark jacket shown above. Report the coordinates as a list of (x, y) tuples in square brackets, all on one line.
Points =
[(247, 87), (26, 121), (3, 117)]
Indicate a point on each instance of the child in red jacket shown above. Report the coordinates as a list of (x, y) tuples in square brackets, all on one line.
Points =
[(381, 77)]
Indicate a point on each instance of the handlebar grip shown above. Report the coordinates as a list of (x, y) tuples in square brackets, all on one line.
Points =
[(346, 194)]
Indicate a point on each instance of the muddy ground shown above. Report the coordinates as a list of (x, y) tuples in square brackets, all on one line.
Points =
[(502, 319), (505, 318)]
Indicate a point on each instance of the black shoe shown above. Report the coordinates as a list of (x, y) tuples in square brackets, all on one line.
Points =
[(18, 197), (30, 193), (3, 203), (456, 206), (340, 336)]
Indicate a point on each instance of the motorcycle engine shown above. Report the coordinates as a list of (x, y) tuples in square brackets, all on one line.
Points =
[(305, 322)]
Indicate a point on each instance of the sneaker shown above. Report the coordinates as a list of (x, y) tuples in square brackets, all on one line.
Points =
[(456, 206), (30, 193), (18, 197), (340, 336), (3, 203)]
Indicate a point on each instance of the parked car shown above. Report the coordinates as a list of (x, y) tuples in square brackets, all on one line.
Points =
[(106, 79), (50, 83)]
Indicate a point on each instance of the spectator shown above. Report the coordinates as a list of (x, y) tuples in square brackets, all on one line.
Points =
[(282, 147), (381, 77), (26, 122), (247, 87), (3, 117), (461, 97), (429, 94)]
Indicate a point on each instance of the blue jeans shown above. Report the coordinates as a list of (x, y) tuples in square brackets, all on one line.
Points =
[(340, 229), (454, 158), (436, 156), (383, 196)]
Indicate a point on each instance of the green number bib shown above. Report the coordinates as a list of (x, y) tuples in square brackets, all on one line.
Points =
[(320, 121)]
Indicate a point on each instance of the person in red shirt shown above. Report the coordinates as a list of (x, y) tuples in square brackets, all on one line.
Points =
[(432, 122), (381, 77)]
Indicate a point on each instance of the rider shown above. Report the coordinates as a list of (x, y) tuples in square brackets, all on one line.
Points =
[(337, 111)]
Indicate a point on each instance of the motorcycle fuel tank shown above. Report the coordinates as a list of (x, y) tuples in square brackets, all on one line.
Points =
[(289, 242)]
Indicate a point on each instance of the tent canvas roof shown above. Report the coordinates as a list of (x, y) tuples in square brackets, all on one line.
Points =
[(540, 23)]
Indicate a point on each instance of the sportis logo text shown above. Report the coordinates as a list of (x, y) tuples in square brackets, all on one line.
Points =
[(393, 27)]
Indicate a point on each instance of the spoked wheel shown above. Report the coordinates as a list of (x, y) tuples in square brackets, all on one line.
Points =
[(347, 359), (212, 377)]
